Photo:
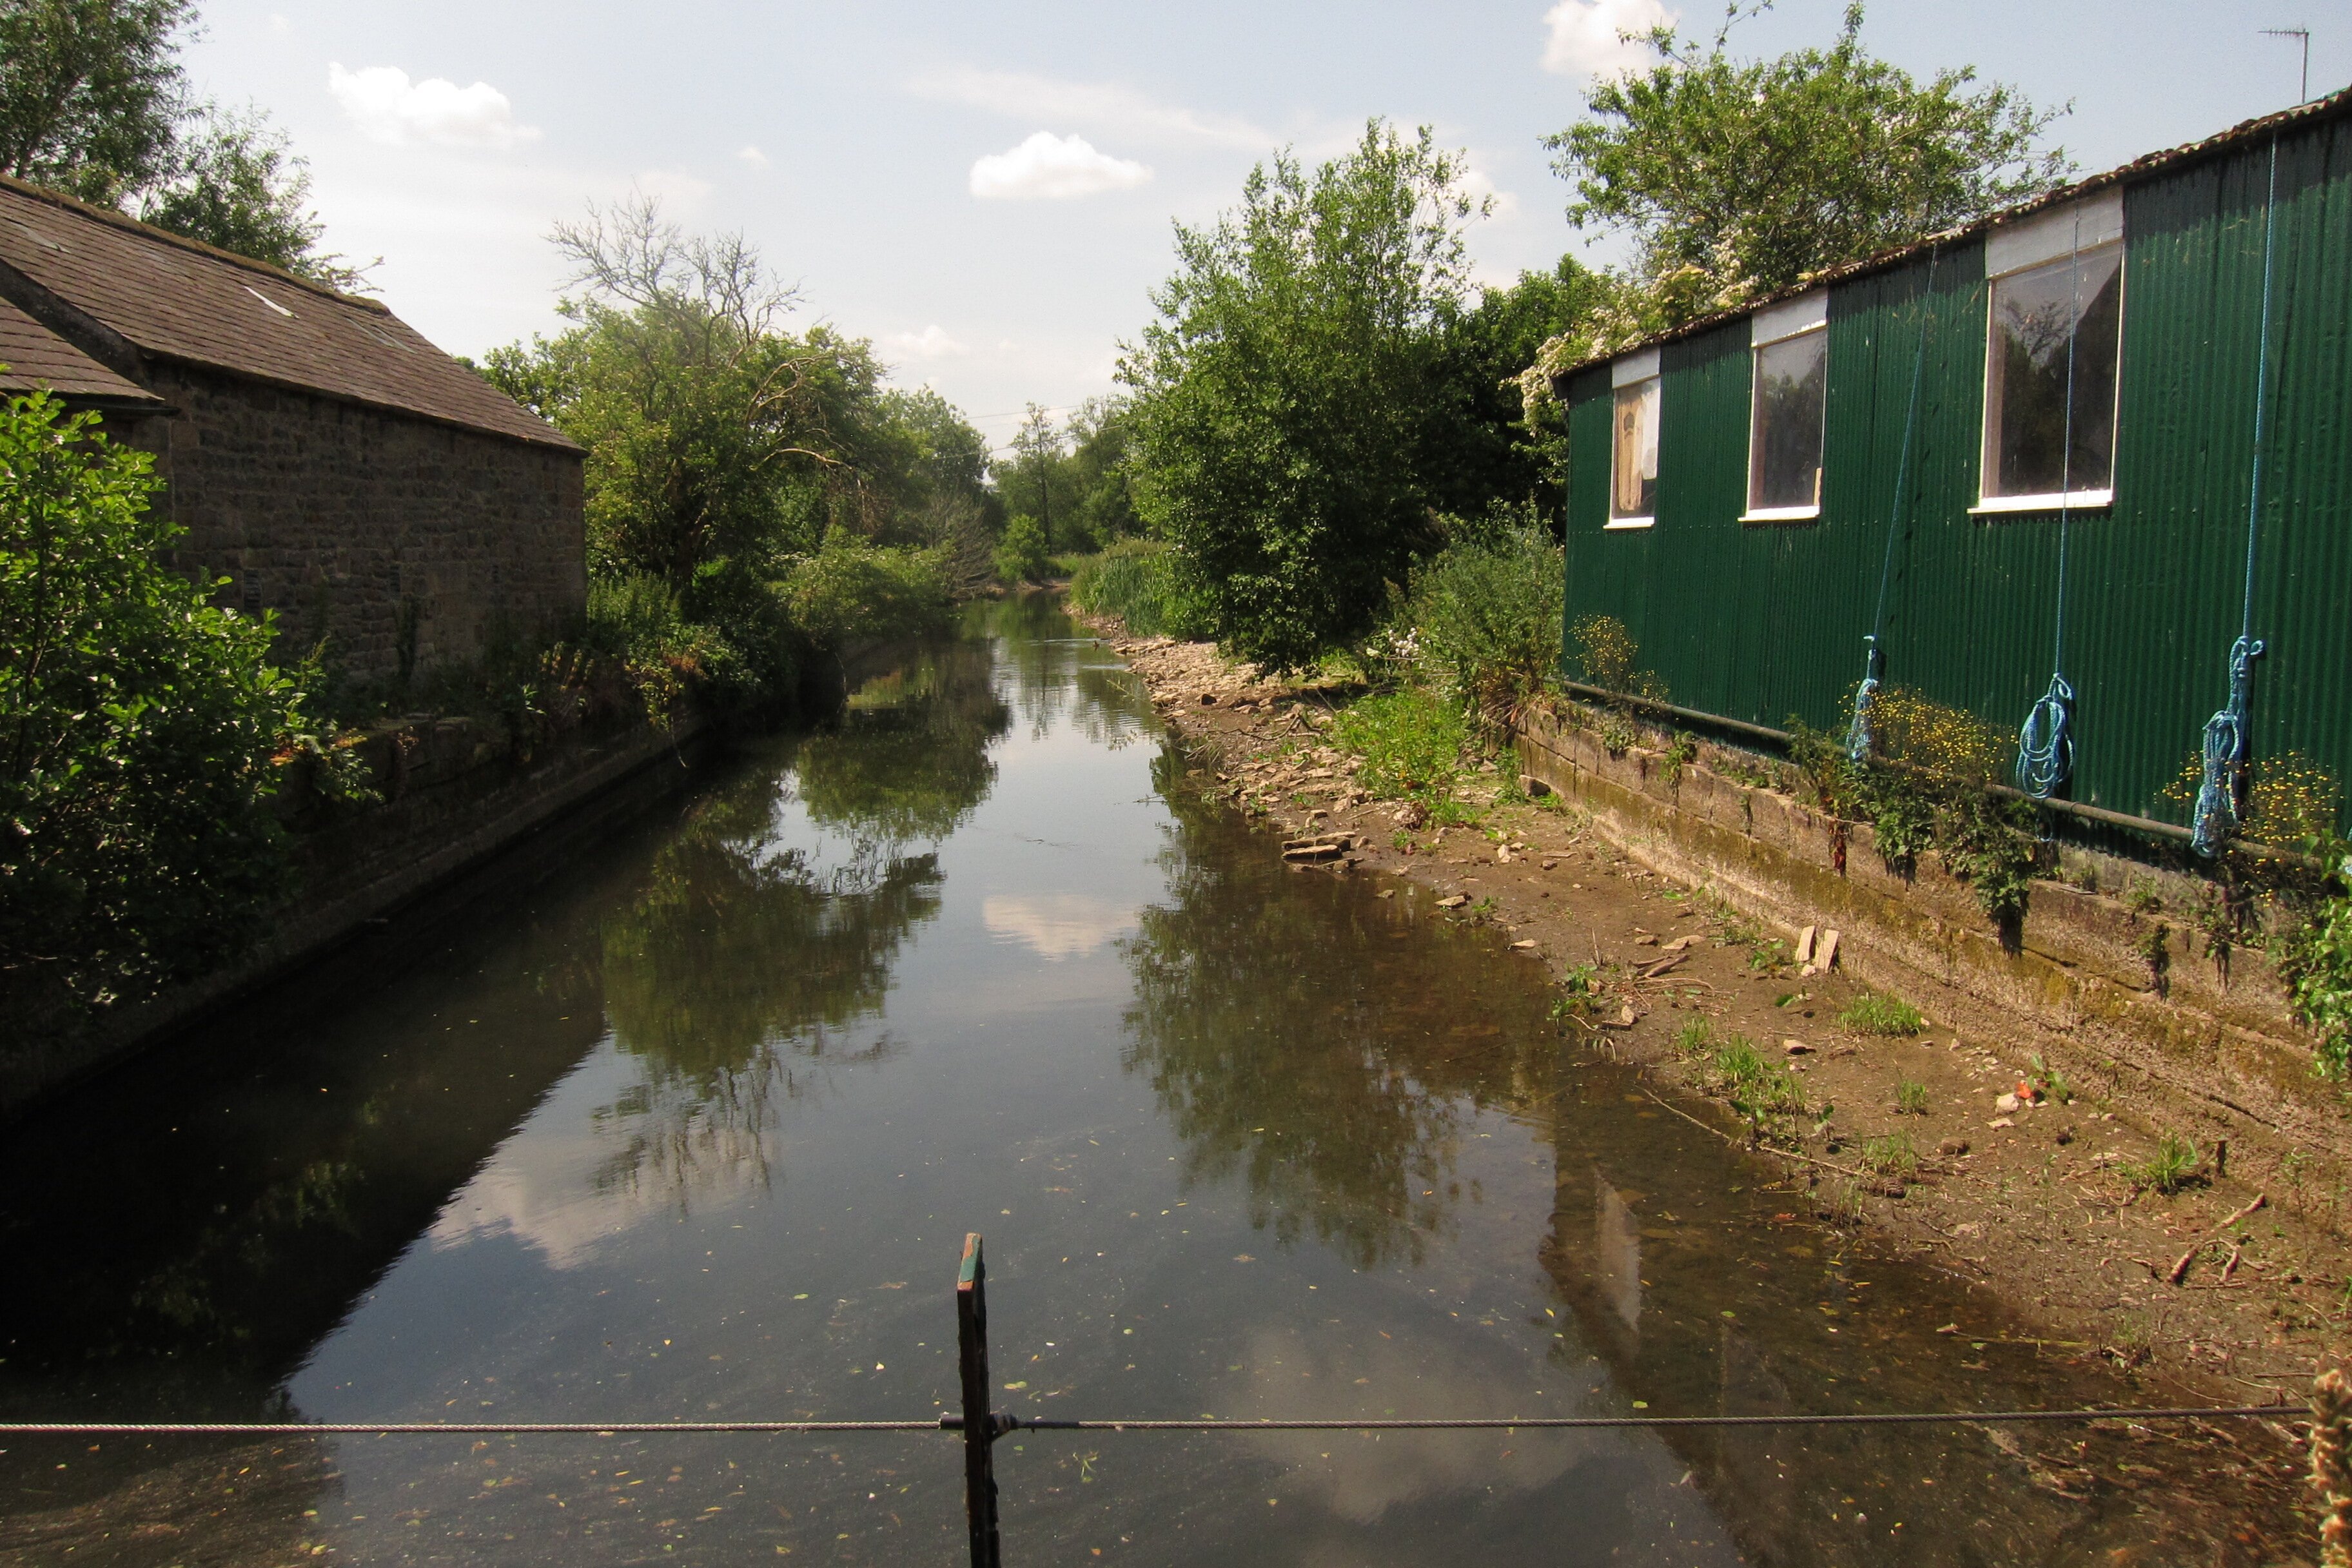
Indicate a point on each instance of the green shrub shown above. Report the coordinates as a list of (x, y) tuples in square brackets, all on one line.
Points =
[(852, 592), (138, 724), (1410, 742), (1021, 554), (1484, 613), (1871, 1014), (1137, 580), (2315, 959)]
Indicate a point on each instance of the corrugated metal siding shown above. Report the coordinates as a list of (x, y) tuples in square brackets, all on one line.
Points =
[(1765, 622)]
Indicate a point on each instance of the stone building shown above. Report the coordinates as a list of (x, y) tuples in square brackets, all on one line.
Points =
[(326, 459)]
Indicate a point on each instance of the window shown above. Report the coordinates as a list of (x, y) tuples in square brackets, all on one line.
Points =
[(2052, 352), (1786, 404), (1634, 464)]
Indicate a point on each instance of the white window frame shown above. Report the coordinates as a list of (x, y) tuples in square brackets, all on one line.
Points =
[(1630, 372), (2076, 229), (1776, 324)]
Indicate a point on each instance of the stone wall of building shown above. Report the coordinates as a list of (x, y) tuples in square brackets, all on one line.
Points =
[(404, 542)]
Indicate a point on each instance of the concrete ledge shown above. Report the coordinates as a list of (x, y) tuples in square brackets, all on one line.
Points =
[(2207, 1040)]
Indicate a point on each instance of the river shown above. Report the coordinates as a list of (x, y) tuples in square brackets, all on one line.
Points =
[(694, 1127)]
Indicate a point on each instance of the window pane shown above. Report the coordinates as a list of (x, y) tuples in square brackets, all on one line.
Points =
[(2036, 315), (1634, 487), (1784, 452)]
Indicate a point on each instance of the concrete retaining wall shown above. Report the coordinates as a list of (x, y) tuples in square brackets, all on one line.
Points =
[(2206, 1034)]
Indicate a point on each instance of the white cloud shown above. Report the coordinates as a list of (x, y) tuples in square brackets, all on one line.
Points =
[(389, 107), (1587, 37), (752, 155), (1053, 168), (932, 342), (1056, 925), (1120, 111)]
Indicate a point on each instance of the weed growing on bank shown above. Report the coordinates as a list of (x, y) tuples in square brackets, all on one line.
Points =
[(1872, 1014)]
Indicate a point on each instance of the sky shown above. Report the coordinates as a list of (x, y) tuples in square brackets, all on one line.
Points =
[(988, 191)]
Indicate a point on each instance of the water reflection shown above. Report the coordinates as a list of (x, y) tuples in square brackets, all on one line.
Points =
[(1061, 677), (771, 920), (909, 759), (1313, 1042)]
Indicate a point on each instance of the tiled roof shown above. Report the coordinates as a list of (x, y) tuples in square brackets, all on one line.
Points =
[(179, 299), (2334, 106), (33, 356)]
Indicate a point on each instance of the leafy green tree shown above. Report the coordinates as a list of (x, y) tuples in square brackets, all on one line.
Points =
[(91, 93), (1499, 456), (1736, 178), (1292, 399), (95, 103), (1101, 434), (1021, 555), (137, 727)]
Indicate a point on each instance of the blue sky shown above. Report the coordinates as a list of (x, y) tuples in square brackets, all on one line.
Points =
[(987, 191)]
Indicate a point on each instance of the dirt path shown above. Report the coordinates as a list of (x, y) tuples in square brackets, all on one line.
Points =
[(2217, 1291)]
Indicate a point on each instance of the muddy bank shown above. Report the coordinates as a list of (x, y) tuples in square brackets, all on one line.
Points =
[(1919, 1144)]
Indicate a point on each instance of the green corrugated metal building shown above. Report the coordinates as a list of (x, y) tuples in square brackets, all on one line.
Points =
[(2086, 365)]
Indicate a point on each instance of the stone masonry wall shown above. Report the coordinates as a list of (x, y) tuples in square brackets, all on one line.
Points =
[(405, 542)]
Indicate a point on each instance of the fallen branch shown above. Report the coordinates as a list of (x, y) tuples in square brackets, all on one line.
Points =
[(2259, 1200)]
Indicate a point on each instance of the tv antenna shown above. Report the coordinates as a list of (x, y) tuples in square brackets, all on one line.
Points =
[(2303, 36)]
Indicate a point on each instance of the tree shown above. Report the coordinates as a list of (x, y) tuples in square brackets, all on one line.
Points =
[(137, 727), (1290, 400), (1021, 555), (94, 102), (1101, 434), (1498, 457), (91, 93), (1036, 479), (1740, 178)]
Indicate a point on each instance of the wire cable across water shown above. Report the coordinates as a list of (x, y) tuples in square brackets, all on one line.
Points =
[(1205, 1424)]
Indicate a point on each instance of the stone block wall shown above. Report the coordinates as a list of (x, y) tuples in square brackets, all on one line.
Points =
[(404, 541)]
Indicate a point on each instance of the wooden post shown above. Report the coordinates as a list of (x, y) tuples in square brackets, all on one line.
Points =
[(978, 1424)]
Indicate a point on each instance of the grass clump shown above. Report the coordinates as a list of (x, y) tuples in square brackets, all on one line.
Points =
[(1910, 1098), (1871, 1014), (1138, 581), (1762, 1092), (2172, 1167), (1693, 1038), (1892, 1155), (1409, 745)]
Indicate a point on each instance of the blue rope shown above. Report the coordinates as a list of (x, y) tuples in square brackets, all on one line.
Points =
[(2045, 741), (1858, 737), (2227, 732)]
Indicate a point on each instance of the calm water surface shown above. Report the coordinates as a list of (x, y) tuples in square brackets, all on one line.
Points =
[(696, 1129)]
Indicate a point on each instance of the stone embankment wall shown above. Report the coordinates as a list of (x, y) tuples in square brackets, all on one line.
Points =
[(456, 799), (2199, 1026), (403, 542)]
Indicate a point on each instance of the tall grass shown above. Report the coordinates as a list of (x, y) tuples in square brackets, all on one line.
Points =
[(1138, 580)]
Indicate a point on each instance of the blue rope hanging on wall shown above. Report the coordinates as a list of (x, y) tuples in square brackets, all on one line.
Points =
[(2227, 735), (1858, 736), (2045, 741)]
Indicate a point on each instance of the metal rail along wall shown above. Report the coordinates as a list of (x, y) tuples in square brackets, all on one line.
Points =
[(1763, 622)]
